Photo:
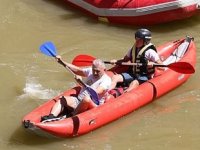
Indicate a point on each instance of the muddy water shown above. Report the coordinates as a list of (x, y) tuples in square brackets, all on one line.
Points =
[(29, 78)]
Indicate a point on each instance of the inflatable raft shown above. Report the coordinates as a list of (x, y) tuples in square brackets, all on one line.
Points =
[(182, 50), (137, 12)]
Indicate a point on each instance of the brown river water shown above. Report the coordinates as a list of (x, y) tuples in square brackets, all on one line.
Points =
[(28, 79)]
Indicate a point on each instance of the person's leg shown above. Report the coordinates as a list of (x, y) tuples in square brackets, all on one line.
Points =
[(64, 101), (142, 79), (56, 109), (116, 79), (132, 85), (135, 83), (59, 106), (84, 105)]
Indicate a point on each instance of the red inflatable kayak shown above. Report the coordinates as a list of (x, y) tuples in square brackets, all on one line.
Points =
[(174, 53), (137, 12)]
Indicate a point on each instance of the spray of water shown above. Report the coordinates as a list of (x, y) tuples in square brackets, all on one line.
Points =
[(35, 90)]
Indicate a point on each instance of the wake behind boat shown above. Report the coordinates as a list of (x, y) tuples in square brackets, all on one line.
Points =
[(181, 51)]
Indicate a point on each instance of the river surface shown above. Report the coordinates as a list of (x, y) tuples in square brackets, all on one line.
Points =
[(28, 79)]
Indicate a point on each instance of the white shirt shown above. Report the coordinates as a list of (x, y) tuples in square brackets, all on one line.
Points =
[(150, 54), (104, 82)]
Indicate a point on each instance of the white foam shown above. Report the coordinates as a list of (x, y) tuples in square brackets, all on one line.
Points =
[(35, 90)]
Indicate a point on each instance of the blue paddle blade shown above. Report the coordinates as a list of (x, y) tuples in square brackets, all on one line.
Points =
[(93, 94), (48, 49)]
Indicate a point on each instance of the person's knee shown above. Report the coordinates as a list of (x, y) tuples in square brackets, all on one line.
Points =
[(86, 100), (134, 83), (88, 103), (116, 78), (63, 100)]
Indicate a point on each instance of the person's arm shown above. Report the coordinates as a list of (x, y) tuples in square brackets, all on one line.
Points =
[(104, 86), (153, 58), (160, 63), (77, 70), (101, 90), (119, 61)]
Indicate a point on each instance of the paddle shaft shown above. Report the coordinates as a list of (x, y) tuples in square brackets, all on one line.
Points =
[(93, 94), (78, 80), (131, 64), (181, 67), (140, 64), (49, 49)]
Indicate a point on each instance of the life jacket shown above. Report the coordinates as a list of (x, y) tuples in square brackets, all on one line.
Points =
[(140, 58)]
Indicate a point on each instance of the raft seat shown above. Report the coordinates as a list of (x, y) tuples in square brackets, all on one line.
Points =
[(178, 53), (175, 56)]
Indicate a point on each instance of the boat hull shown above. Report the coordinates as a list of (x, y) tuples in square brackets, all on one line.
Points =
[(137, 12), (115, 108)]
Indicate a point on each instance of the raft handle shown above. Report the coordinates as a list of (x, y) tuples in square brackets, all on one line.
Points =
[(27, 124)]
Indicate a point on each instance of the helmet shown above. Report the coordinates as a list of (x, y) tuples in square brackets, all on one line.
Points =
[(143, 34)]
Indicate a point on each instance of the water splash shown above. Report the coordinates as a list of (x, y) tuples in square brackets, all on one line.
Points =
[(35, 90)]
